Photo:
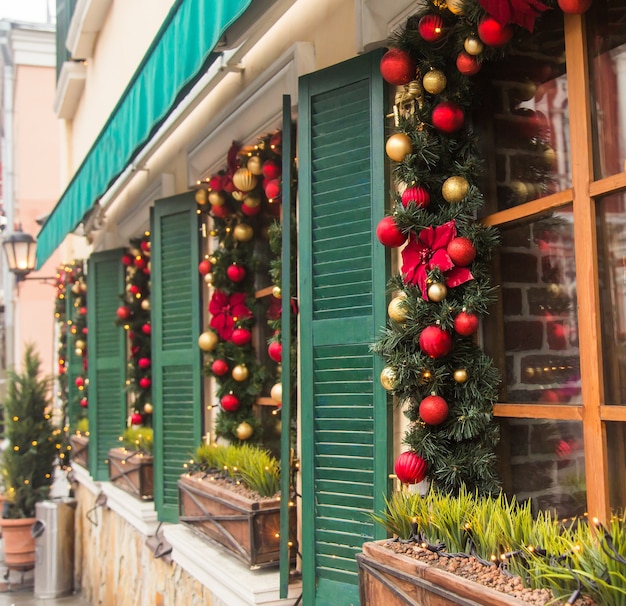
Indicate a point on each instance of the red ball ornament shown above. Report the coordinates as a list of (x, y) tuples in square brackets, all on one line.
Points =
[(123, 313), (236, 273), (79, 381), (418, 195), (83, 402), (146, 329), (250, 211), (136, 419), (145, 245), (435, 342), (273, 189), (466, 324), (143, 363), (493, 33), (410, 468), (433, 410), (230, 402), (461, 251), (220, 211), (127, 260), (388, 233), (574, 7), (275, 351), (397, 67), (430, 28), (276, 140), (140, 263), (241, 336), (134, 289), (467, 64), (145, 382), (205, 267), (219, 367), (271, 169), (82, 311), (448, 117)]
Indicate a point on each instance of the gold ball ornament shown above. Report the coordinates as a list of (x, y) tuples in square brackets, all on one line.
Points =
[(208, 279), (455, 6), (244, 430), (473, 46), (437, 292), (277, 292), (243, 232), (208, 340), (80, 344), (454, 189), (244, 180), (252, 201), (76, 288), (216, 198), (79, 352), (434, 81), (238, 195), (240, 372), (255, 166), (201, 196), (145, 304), (396, 309), (398, 146), (460, 375), (388, 378), (276, 393), (148, 408)]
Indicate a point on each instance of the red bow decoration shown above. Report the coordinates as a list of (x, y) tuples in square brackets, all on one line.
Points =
[(519, 12), (428, 251), (224, 309)]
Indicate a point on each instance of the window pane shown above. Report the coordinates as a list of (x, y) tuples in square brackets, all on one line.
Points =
[(606, 35), (612, 269), (538, 292), (525, 113), (544, 461), (616, 450)]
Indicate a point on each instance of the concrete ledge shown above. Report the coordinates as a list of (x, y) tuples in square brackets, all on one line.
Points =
[(223, 575), (83, 477), (140, 514)]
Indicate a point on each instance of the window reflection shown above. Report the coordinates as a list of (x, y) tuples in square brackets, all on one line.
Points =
[(544, 461), (539, 321)]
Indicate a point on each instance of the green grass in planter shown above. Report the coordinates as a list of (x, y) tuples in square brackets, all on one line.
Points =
[(450, 516), (138, 438), (82, 426), (401, 511)]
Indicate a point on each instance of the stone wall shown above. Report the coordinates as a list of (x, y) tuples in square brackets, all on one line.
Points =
[(114, 566)]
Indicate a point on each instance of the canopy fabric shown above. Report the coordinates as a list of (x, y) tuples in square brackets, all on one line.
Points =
[(181, 52)]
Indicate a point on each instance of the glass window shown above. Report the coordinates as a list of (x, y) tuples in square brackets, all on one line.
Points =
[(611, 218), (525, 104), (606, 35), (544, 461), (538, 305), (616, 450)]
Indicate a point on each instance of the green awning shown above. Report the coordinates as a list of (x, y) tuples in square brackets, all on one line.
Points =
[(180, 54)]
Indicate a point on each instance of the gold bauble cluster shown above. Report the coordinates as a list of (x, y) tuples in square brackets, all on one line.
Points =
[(388, 378), (434, 81), (437, 292), (454, 189), (240, 372), (243, 232), (244, 180), (398, 146), (460, 375), (396, 308), (244, 430), (207, 340)]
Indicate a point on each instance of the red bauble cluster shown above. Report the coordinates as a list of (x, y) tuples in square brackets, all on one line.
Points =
[(205, 267), (389, 234), (143, 363), (236, 272), (435, 342), (230, 402), (124, 312), (219, 367), (84, 403), (493, 33), (448, 117), (433, 410), (241, 336), (410, 468), (418, 195), (275, 351), (467, 64), (397, 67), (136, 419), (466, 324), (145, 382), (430, 28), (461, 251)]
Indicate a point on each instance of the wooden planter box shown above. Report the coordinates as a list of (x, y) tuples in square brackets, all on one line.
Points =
[(80, 449), (392, 579), (133, 472), (248, 528)]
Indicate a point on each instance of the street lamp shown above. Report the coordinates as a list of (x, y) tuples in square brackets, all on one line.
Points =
[(20, 250)]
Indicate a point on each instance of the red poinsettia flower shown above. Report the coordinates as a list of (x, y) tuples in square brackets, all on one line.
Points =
[(274, 309), (519, 12), (224, 308), (428, 251)]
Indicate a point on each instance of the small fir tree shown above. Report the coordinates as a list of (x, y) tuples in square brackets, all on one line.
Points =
[(29, 459)]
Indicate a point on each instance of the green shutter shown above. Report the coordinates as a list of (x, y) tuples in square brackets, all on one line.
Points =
[(74, 363), (106, 355), (177, 363), (343, 271)]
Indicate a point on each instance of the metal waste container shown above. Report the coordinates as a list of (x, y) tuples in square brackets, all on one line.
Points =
[(54, 547)]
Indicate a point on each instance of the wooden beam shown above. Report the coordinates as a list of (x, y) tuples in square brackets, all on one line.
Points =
[(561, 412), (529, 209)]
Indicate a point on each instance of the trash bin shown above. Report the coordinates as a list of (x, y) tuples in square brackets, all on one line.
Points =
[(54, 547)]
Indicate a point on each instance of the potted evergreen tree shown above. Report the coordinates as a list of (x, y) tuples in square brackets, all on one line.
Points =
[(29, 458)]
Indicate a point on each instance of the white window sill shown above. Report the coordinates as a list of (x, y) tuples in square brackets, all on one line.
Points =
[(222, 574)]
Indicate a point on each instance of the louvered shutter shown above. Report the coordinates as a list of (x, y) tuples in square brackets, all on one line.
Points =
[(106, 355), (177, 364), (345, 418), (74, 363)]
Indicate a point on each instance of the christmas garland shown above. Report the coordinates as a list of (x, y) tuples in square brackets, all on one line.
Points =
[(445, 383), (241, 200), (78, 330), (134, 316)]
